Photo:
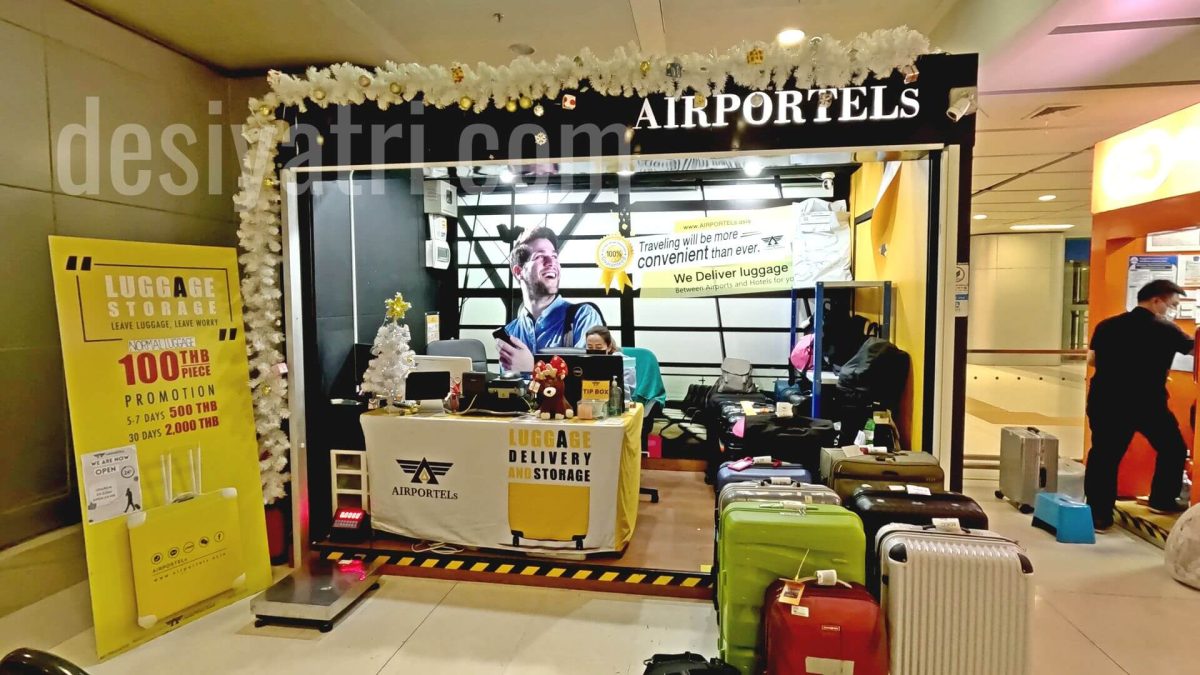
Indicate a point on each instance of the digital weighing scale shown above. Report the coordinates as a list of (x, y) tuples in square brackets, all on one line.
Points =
[(316, 595)]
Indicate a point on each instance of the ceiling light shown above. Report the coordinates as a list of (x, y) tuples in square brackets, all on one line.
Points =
[(521, 49), (1040, 228), (1047, 198), (980, 216), (790, 37), (506, 175), (752, 167)]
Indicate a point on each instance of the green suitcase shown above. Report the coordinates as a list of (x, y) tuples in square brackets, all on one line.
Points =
[(760, 542)]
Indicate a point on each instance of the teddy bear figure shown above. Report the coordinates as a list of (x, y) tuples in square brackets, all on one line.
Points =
[(549, 380)]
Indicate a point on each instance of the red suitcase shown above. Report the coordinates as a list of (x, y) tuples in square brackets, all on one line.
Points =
[(811, 628)]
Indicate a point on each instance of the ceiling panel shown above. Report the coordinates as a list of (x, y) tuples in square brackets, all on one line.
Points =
[(1030, 197), (1008, 163), (1056, 182)]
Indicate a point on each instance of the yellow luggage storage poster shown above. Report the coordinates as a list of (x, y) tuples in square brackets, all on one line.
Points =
[(154, 354)]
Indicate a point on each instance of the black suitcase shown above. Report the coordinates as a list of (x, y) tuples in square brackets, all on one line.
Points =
[(911, 506), (720, 414), (797, 440)]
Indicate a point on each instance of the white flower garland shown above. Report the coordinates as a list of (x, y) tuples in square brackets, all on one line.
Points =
[(821, 62)]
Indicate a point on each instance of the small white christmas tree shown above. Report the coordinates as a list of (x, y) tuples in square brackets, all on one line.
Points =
[(393, 360)]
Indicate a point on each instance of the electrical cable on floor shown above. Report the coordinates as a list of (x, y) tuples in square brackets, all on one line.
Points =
[(438, 547)]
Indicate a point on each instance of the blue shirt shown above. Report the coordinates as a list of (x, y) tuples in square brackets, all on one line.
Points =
[(547, 331)]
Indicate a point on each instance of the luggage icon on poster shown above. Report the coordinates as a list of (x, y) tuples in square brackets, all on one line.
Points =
[(549, 512)]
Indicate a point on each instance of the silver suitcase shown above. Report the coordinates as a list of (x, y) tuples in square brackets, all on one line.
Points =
[(957, 602), (1028, 465), (776, 490)]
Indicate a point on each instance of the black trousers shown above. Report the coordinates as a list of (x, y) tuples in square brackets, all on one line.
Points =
[(1112, 428)]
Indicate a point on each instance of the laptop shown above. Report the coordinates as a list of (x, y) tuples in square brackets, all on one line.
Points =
[(429, 383), (597, 370)]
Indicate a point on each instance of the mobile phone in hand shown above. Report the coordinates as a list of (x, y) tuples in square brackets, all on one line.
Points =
[(502, 334)]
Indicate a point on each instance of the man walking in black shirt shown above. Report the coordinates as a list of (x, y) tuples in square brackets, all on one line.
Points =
[(1132, 354)]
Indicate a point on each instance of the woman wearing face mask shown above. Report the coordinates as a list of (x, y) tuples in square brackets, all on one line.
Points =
[(1132, 354), (600, 339)]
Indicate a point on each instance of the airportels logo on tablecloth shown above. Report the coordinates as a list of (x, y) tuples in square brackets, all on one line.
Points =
[(424, 472)]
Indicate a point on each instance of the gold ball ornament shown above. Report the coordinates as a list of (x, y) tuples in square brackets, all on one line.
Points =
[(264, 110), (266, 390), (539, 110), (465, 103), (318, 95), (364, 81), (268, 182), (456, 73), (396, 88), (644, 66), (755, 56), (510, 105), (526, 103), (700, 100)]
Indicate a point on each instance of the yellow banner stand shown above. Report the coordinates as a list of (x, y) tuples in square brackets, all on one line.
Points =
[(158, 384)]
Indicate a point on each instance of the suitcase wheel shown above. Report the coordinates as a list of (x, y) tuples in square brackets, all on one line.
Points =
[(999, 494), (516, 538), (579, 543), (1025, 509)]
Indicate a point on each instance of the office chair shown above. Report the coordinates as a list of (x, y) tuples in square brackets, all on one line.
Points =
[(468, 347), (25, 661), (651, 393)]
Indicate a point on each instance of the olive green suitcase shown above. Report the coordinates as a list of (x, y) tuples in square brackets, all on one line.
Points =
[(848, 474), (760, 542)]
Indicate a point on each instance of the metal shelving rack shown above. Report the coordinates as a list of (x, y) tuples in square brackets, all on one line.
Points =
[(820, 288)]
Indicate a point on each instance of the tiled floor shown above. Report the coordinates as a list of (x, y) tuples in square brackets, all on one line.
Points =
[(1100, 610)]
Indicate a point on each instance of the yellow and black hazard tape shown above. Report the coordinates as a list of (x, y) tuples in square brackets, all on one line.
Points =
[(555, 569), (1143, 528)]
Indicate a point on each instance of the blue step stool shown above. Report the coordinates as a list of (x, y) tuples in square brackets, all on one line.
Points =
[(1068, 520)]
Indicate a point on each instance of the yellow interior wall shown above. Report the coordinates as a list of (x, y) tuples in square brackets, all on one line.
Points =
[(900, 222)]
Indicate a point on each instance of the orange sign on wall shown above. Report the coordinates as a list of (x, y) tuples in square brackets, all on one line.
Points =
[(1154, 161)]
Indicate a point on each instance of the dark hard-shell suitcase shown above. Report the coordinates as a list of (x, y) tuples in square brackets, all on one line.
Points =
[(758, 473), (686, 663), (763, 541), (848, 474), (719, 425), (813, 628), (912, 505), (792, 439)]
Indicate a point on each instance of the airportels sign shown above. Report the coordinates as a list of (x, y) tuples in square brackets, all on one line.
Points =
[(782, 107)]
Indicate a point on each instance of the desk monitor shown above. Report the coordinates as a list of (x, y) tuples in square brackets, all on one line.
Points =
[(583, 366), (454, 365)]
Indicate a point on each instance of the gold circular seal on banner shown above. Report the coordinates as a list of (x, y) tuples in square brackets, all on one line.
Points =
[(614, 253)]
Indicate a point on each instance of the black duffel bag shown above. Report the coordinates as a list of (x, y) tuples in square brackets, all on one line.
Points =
[(796, 440)]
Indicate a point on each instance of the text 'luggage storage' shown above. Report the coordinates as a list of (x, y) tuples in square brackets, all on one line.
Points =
[(822, 628), (760, 542), (848, 474), (1028, 465), (958, 602), (911, 505)]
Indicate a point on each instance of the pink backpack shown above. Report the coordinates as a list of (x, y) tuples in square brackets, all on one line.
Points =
[(802, 353)]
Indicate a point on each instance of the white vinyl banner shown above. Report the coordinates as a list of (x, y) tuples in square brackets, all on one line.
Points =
[(520, 484)]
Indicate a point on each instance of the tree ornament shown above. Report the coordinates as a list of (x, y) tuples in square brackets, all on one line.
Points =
[(396, 88), (318, 95), (456, 73), (568, 102), (910, 73), (579, 61), (816, 41), (644, 66), (364, 81), (264, 110), (825, 99), (539, 110), (525, 102), (396, 307), (674, 70), (540, 138), (510, 105), (700, 100), (755, 56), (320, 139), (268, 182), (465, 103)]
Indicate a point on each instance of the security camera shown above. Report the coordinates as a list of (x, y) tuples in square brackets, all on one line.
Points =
[(963, 102), (827, 180)]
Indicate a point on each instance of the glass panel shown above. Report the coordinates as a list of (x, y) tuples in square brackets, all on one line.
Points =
[(741, 191), (484, 199), (483, 311), (764, 312), (698, 312), (660, 222), (666, 195), (482, 226), (698, 347), (765, 348)]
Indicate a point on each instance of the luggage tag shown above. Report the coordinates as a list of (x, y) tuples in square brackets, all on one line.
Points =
[(766, 460), (918, 490), (742, 464), (783, 410), (948, 525)]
